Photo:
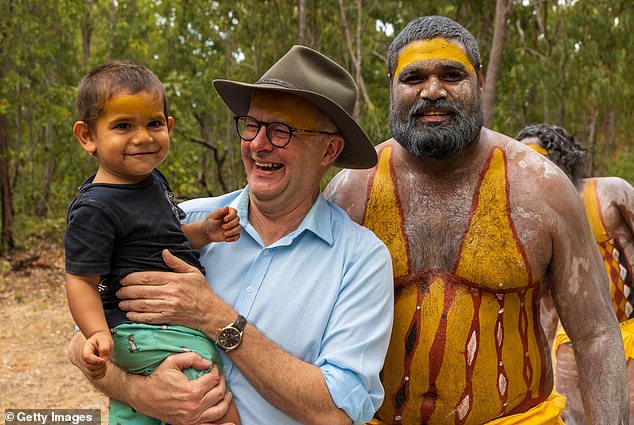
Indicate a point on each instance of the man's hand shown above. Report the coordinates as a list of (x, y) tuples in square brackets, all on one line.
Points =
[(95, 354), (167, 394), (182, 297)]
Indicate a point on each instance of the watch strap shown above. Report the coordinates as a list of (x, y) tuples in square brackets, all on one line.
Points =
[(240, 323)]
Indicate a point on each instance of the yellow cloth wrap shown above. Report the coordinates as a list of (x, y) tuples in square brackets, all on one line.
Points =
[(436, 48), (627, 333), (545, 413), (538, 149)]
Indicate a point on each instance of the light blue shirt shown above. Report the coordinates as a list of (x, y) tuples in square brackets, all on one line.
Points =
[(323, 293)]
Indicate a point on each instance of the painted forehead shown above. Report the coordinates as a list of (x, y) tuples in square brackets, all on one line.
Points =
[(290, 109), (144, 103), (432, 49)]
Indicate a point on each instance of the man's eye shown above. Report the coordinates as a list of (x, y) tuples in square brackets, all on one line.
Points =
[(453, 76), (155, 123), (122, 126)]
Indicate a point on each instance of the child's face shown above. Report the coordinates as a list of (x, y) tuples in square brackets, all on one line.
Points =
[(131, 137)]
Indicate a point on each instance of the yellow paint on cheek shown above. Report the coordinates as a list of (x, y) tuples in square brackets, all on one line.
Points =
[(538, 149), (285, 108), (141, 103), (436, 48)]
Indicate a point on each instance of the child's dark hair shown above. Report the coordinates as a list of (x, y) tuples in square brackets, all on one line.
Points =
[(112, 78)]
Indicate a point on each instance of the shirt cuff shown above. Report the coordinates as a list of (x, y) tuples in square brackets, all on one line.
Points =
[(350, 395)]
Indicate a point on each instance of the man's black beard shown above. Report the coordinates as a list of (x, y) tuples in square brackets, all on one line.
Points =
[(442, 140)]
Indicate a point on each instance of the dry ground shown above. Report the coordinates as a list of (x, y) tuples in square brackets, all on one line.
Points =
[(36, 326)]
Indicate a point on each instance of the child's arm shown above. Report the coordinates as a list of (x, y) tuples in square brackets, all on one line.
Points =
[(87, 311), (222, 225)]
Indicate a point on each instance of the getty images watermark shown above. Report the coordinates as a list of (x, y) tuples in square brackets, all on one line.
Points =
[(52, 416)]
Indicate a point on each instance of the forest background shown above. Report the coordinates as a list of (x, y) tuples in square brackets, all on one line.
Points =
[(564, 62)]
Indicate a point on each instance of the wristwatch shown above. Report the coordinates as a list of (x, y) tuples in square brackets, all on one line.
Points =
[(230, 337)]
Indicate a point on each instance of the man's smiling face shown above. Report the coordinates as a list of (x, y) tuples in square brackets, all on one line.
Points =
[(435, 108)]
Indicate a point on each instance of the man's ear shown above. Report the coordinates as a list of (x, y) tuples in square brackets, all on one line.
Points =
[(170, 124), (481, 78), (333, 149), (85, 137)]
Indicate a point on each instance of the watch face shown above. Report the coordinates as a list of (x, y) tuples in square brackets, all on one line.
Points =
[(229, 338)]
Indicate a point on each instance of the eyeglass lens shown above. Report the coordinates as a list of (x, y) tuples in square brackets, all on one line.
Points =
[(278, 133)]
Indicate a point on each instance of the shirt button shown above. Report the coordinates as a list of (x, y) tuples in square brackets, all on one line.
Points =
[(250, 289), (266, 252)]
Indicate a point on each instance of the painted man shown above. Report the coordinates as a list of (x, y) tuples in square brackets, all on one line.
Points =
[(474, 247), (609, 205)]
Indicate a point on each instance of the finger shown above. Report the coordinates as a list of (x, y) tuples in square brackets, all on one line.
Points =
[(217, 410), (187, 360), (144, 305), (150, 318), (219, 213), (230, 215), (233, 224), (93, 362), (143, 278), (232, 232), (176, 264)]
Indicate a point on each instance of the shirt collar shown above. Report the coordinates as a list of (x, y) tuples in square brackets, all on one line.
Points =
[(316, 221)]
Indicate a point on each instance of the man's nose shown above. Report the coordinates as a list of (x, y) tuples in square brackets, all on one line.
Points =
[(433, 89), (261, 141)]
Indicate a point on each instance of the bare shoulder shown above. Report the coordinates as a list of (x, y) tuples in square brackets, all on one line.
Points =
[(349, 189), (614, 185)]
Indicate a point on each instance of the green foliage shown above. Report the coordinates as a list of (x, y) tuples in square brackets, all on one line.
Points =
[(573, 71)]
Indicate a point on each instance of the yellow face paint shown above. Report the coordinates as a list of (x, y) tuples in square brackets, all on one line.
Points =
[(286, 108), (436, 48), (143, 103), (538, 148)]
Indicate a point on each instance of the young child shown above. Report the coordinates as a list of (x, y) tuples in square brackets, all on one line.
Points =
[(122, 219)]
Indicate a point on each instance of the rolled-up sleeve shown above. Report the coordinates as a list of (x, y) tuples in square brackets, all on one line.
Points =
[(358, 334)]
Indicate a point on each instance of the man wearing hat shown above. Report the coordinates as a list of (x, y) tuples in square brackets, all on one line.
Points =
[(301, 306)]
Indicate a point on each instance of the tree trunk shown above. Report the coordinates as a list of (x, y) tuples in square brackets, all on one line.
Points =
[(7, 242), (301, 22), (592, 141), (43, 208), (355, 55), (502, 11), (86, 33)]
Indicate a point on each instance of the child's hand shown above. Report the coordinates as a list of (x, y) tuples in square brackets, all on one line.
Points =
[(222, 225), (96, 353)]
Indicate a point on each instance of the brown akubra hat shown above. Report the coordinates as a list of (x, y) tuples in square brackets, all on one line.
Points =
[(309, 74)]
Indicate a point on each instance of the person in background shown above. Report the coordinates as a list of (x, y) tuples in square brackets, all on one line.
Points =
[(474, 248), (304, 313), (609, 205)]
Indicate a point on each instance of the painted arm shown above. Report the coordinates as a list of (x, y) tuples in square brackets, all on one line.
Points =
[(580, 290)]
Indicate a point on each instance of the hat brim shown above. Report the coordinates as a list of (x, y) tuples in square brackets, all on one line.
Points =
[(358, 151)]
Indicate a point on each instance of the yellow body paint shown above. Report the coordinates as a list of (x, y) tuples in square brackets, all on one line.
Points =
[(615, 261), (436, 48), (285, 108), (465, 345), (142, 103), (538, 149)]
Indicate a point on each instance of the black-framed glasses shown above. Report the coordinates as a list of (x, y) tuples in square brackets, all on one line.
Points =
[(277, 133)]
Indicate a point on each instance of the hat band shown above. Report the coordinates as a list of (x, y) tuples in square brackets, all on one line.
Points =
[(278, 83)]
